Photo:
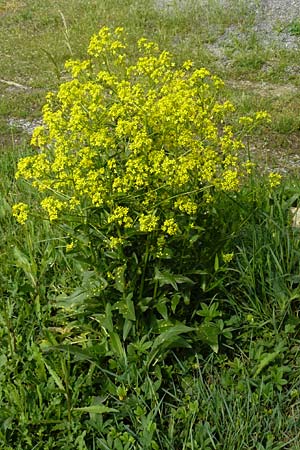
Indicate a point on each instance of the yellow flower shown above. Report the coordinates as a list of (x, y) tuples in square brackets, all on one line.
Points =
[(227, 257), (246, 120), (20, 211), (263, 116), (184, 204), (115, 242), (187, 65), (274, 179), (70, 246), (52, 206), (170, 227), (148, 222)]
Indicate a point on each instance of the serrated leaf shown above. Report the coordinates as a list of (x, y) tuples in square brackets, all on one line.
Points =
[(55, 377), (268, 358)]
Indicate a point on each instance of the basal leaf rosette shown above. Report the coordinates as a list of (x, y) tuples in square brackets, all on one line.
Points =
[(133, 147)]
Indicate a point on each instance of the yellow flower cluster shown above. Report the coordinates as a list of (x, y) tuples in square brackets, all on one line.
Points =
[(227, 257), (120, 216), (170, 227), (148, 222), (20, 212), (141, 142), (274, 179)]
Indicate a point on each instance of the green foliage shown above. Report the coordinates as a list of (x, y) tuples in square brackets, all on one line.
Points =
[(294, 27)]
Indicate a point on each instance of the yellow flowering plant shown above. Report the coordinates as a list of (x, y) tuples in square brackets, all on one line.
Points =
[(135, 152)]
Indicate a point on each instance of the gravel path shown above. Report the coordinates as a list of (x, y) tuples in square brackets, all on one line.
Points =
[(283, 10), (276, 14)]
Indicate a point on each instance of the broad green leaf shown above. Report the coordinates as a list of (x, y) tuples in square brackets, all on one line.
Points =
[(126, 307), (168, 337), (108, 321), (76, 299), (119, 274), (180, 279), (166, 277), (162, 309), (208, 333), (174, 302)]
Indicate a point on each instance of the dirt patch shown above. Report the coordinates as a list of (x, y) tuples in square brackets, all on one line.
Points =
[(264, 88)]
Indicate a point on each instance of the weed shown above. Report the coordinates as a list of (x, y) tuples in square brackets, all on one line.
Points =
[(213, 362)]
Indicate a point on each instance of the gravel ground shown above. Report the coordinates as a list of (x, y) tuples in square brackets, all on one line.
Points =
[(271, 17), (283, 10)]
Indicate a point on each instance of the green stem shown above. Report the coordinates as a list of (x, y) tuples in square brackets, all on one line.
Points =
[(155, 289), (144, 269)]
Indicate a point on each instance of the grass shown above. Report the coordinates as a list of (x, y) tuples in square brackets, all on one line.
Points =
[(67, 379)]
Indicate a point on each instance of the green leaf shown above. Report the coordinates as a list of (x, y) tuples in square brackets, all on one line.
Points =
[(116, 346), (119, 274), (95, 409), (127, 328), (126, 307), (209, 312), (130, 306), (174, 302), (108, 321), (55, 377), (169, 339), (165, 278), (29, 267), (268, 358), (76, 299), (162, 308), (208, 333), (180, 279), (216, 264)]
